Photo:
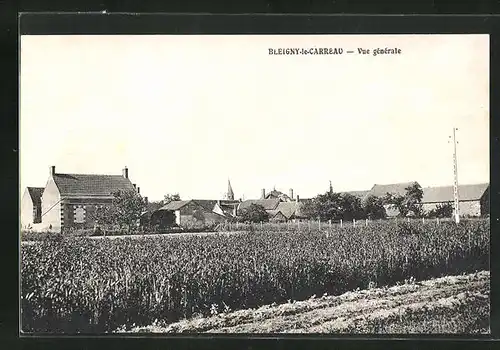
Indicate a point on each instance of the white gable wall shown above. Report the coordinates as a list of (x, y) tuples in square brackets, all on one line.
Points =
[(51, 207), (27, 216)]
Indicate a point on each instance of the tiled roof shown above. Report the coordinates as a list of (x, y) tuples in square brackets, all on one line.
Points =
[(89, 184), (207, 204), (288, 209), (359, 194), (277, 194), (175, 205), (445, 193), (36, 194), (272, 213), (268, 204), (398, 189)]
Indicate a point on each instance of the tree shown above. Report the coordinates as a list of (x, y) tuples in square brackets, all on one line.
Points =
[(441, 211), (326, 206), (413, 199), (154, 206), (350, 207), (170, 198), (254, 213), (373, 208), (409, 204), (124, 211)]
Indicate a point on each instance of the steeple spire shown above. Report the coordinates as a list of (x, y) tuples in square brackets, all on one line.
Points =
[(230, 193), (331, 187)]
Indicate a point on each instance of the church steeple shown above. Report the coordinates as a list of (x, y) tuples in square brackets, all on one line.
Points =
[(230, 193), (331, 187)]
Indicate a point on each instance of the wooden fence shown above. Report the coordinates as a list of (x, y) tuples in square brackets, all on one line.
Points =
[(320, 225)]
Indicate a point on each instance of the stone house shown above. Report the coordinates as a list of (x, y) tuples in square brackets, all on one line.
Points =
[(69, 200), (474, 199)]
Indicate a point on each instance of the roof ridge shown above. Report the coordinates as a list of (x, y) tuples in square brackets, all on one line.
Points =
[(80, 174)]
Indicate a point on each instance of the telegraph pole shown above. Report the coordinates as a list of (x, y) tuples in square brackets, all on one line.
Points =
[(455, 178)]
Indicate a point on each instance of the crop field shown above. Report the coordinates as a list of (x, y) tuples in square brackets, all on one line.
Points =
[(84, 285)]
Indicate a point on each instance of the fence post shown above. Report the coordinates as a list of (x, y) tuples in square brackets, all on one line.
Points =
[(340, 222), (330, 223), (437, 221), (309, 224), (353, 222), (408, 219), (319, 224), (366, 222), (261, 225), (423, 220)]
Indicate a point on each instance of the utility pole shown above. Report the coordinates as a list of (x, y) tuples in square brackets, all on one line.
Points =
[(455, 178)]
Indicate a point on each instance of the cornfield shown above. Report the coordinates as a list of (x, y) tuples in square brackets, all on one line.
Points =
[(85, 285)]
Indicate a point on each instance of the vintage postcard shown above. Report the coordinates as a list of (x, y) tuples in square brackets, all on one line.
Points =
[(256, 184)]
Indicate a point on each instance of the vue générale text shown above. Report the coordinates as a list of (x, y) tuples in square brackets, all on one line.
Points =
[(334, 51)]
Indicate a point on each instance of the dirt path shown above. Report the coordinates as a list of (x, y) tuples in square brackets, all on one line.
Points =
[(452, 304)]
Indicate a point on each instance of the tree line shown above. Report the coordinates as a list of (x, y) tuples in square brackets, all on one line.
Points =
[(127, 208), (345, 206)]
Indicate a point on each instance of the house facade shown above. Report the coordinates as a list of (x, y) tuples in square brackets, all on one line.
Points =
[(70, 200)]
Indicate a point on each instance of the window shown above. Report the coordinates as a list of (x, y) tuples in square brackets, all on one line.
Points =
[(79, 215)]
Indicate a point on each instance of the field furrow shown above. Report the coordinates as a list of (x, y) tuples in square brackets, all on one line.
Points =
[(391, 309)]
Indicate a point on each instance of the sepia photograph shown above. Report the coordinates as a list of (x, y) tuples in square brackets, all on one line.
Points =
[(254, 184)]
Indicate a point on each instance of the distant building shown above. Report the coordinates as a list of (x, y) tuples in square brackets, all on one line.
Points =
[(474, 200), (31, 207), (230, 194), (274, 194), (279, 206), (287, 211), (196, 212), (69, 200)]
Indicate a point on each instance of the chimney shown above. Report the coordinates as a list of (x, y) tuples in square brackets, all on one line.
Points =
[(52, 170), (291, 193), (125, 172), (298, 199), (138, 189), (263, 195), (146, 200)]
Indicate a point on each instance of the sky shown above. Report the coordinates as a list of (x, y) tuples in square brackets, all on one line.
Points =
[(187, 113)]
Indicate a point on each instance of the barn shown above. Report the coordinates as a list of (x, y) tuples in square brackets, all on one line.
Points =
[(69, 200), (474, 199), (31, 207)]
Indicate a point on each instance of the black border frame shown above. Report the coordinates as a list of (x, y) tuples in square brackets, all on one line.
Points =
[(189, 24)]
